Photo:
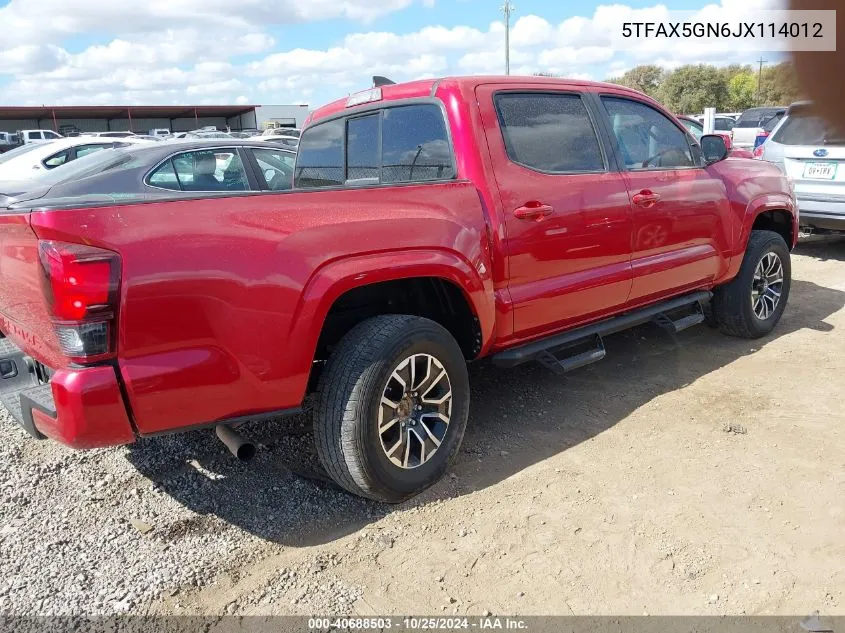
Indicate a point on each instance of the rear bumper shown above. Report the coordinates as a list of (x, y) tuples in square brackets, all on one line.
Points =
[(822, 213), (81, 408)]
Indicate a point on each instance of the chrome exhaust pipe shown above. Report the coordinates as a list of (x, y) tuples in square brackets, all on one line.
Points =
[(238, 446)]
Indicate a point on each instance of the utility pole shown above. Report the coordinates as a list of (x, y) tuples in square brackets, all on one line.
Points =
[(760, 79), (507, 9)]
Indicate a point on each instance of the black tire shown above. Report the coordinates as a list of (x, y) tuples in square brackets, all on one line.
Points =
[(348, 399), (732, 303)]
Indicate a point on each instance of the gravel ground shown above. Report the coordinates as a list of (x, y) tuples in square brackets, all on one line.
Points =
[(693, 474)]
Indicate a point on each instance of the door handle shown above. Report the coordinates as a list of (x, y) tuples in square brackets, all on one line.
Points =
[(646, 198), (533, 211)]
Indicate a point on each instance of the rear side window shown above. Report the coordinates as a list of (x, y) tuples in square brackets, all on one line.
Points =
[(51, 162), (319, 162), (402, 144), (202, 170), (415, 146), (549, 132), (34, 136), (84, 150), (165, 177)]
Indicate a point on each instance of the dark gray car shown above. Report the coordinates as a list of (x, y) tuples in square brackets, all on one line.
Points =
[(197, 167)]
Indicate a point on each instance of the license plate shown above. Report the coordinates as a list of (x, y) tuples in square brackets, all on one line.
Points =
[(820, 171)]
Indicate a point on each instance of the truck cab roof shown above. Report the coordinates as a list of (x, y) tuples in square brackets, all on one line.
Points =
[(430, 87)]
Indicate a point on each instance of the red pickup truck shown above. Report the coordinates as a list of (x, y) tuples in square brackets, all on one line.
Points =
[(430, 223)]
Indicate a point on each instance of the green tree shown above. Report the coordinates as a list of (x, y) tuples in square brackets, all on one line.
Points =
[(690, 89), (742, 88), (646, 78), (780, 85)]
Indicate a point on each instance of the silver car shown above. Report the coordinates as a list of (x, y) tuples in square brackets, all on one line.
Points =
[(810, 152)]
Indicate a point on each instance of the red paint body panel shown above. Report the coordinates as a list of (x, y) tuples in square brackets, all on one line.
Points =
[(90, 408), (224, 322), (222, 300)]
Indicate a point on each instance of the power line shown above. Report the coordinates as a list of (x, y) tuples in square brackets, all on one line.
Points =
[(507, 9)]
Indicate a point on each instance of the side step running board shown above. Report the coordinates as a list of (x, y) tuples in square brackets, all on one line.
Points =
[(677, 325), (558, 362), (541, 350)]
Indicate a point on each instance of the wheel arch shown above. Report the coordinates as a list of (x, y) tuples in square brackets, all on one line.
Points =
[(469, 288)]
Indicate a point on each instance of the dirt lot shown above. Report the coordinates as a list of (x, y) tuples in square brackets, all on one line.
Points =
[(690, 474)]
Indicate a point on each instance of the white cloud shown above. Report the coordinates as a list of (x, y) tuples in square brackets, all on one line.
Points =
[(181, 51)]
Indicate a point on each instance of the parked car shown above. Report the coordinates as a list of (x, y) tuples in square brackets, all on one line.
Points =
[(288, 141), (113, 134), (525, 221), (8, 141), (147, 137), (812, 154), (46, 156), (207, 134), (210, 165), (696, 128), (37, 136), (160, 132), (282, 131), (751, 125)]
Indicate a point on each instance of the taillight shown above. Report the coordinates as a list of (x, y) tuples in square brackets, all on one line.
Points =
[(81, 286), (758, 152)]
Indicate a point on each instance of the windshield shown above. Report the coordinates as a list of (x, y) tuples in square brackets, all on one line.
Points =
[(805, 128), (14, 153), (86, 166)]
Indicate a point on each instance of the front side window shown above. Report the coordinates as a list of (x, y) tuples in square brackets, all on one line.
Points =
[(646, 138), (203, 170), (51, 135), (276, 167), (549, 132)]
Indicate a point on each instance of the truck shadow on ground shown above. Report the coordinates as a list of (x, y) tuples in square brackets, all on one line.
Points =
[(528, 412)]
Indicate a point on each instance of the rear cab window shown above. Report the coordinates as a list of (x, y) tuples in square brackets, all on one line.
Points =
[(395, 144), (549, 133)]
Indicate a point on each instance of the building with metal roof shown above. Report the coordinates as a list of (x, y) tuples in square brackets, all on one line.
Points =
[(141, 119)]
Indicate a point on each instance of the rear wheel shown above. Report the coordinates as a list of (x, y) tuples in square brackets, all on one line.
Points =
[(391, 407), (751, 305)]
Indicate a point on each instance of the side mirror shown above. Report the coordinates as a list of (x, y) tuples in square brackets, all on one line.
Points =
[(714, 148)]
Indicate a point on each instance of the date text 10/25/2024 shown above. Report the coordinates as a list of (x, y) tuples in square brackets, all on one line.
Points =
[(486, 623)]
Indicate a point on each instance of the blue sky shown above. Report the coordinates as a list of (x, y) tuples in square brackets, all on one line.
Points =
[(307, 51)]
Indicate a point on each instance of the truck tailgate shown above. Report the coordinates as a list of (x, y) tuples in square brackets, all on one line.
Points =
[(24, 316)]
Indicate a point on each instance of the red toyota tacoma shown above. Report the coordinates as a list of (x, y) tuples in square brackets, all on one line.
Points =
[(430, 224)]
